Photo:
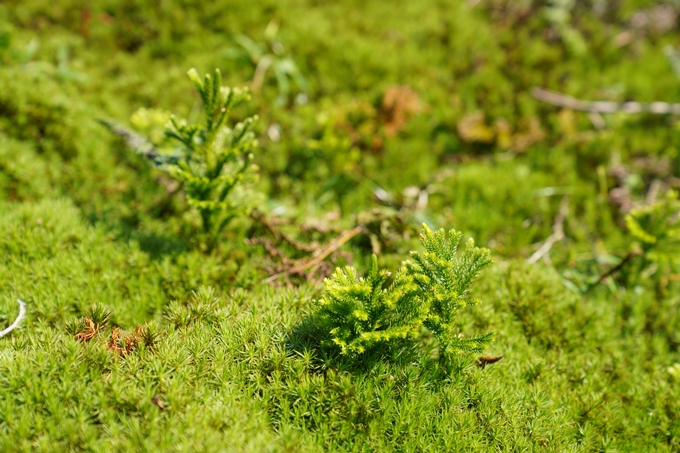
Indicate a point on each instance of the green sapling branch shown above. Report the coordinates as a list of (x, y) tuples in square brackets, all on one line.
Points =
[(213, 162)]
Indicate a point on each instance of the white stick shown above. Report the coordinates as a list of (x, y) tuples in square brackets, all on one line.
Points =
[(562, 100), (15, 324)]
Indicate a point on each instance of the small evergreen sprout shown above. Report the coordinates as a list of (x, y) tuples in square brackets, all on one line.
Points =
[(656, 229), (213, 161), (359, 313), (217, 162), (443, 279)]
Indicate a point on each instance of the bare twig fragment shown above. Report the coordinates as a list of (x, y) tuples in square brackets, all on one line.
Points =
[(562, 100), (278, 234), (15, 324), (321, 254)]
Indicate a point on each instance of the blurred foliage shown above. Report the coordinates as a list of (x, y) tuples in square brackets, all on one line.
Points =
[(270, 55), (214, 164)]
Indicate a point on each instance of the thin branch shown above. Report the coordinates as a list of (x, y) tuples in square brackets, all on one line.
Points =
[(321, 254), (133, 140), (278, 234), (557, 234), (613, 270), (15, 324), (596, 120), (562, 100)]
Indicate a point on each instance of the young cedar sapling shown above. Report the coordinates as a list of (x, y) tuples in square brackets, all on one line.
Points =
[(217, 162), (213, 161), (358, 313)]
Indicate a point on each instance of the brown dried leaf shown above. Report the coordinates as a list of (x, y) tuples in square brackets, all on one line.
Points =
[(89, 333), (484, 361), (123, 345), (157, 401), (473, 129), (399, 104)]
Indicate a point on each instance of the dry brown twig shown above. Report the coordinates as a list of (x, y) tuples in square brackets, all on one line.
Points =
[(281, 265), (90, 331), (277, 261), (280, 235), (271, 249), (124, 345), (319, 227), (320, 254)]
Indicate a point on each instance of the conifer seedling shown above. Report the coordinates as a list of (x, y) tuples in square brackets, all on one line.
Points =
[(217, 162), (360, 312), (213, 161)]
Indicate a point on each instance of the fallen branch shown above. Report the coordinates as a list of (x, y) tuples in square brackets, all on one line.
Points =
[(612, 271), (15, 324), (557, 234), (562, 100), (320, 255), (139, 144), (280, 235)]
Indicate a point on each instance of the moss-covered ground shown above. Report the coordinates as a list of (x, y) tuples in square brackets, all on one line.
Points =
[(138, 339)]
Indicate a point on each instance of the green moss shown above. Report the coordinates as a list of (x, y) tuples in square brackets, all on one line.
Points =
[(86, 223), (238, 374)]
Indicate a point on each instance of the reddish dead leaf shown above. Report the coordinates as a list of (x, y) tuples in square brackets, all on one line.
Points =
[(484, 361), (123, 345), (398, 105), (89, 333), (157, 401)]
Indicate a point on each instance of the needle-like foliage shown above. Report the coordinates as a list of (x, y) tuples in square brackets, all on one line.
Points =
[(443, 279), (217, 161), (656, 228), (213, 160), (360, 312)]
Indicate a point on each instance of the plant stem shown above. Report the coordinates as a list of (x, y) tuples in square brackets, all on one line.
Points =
[(612, 271)]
